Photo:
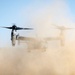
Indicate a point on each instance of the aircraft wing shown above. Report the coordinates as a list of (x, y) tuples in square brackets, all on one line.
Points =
[(19, 28), (51, 38), (26, 38)]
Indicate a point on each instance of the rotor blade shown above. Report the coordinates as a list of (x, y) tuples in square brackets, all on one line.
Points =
[(55, 25), (69, 28), (7, 27), (58, 27), (18, 28), (28, 28)]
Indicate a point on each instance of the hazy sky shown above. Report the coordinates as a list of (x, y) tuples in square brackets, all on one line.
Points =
[(21, 12)]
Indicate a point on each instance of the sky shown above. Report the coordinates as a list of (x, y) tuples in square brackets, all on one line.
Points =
[(27, 13)]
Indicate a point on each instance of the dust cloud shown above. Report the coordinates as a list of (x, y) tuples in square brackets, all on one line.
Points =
[(53, 61), (56, 60)]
